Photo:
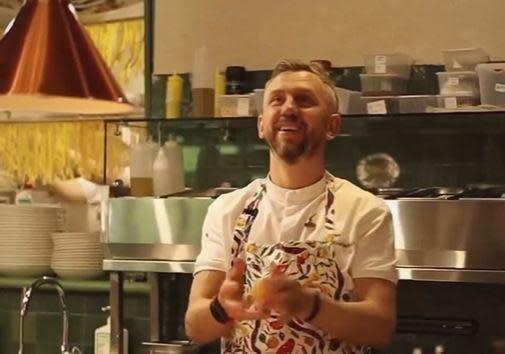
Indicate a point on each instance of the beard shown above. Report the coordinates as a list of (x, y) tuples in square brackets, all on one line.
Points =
[(291, 152)]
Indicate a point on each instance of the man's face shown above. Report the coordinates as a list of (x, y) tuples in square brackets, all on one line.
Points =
[(296, 119)]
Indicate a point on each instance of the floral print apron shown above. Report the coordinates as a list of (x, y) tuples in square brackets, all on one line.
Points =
[(321, 263)]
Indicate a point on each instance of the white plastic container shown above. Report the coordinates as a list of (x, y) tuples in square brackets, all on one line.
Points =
[(168, 170), (142, 156), (102, 339), (236, 106), (460, 83), (463, 59), (382, 84), (492, 83), (395, 63)]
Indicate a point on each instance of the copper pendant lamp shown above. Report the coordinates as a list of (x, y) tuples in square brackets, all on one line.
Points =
[(48, 63)]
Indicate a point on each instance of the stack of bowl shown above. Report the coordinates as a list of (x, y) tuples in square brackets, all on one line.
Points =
[(25, 238), (77, 255)]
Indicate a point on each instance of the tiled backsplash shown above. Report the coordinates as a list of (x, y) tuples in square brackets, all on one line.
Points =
[(43, 321)]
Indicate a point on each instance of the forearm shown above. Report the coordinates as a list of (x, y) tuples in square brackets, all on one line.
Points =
[(362, 322), (201, 327)]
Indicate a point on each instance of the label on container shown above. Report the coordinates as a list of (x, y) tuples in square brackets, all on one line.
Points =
[(243, 107), (453, 81), (499, 87), (380, 64), (456, 65), (450, 102), (376, 107)]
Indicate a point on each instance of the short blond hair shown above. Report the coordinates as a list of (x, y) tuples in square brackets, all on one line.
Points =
[(315, 68)]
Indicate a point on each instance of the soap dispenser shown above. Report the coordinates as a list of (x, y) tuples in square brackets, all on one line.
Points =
[(102, 337)]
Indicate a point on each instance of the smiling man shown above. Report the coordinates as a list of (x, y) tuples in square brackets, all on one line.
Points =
[(300, 261)]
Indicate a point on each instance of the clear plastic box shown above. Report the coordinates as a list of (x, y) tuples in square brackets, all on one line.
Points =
[(236, 106), (492, 83), (383, 84), (464, 59), (455, 101), (416, 103), (465, 83), (395, 64)]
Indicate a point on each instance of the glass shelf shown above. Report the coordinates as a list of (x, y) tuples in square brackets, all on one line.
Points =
[(419, 123)]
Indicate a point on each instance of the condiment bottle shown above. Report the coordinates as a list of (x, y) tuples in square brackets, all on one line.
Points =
[(174, 96)]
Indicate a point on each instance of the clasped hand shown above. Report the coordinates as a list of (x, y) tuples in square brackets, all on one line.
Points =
[(280, 295)]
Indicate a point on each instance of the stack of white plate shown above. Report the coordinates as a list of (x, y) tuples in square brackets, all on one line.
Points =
[(25, 238), (77, 255)]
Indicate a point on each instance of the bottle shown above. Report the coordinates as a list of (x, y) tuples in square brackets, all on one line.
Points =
[(102, 337), (202, 90), (141, 168), (168, 173), (219, 89), (174, 96)]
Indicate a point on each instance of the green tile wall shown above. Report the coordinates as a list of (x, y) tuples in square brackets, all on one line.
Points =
[(43, 322)]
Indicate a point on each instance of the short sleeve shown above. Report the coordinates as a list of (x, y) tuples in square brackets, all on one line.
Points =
[(212, 255), (375, 252)]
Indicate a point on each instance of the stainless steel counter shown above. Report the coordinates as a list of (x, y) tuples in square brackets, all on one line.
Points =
[(148, 266), (405, 273)]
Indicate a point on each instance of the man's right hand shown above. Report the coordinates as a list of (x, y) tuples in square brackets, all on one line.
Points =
[(231, 295)]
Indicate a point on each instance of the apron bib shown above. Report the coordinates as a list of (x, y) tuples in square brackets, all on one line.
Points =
[(322, 263)]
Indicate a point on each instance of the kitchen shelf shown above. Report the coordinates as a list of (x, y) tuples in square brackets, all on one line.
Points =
[(487, 122)]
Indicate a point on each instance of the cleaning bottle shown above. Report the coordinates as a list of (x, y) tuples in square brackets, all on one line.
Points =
[(102, 337)]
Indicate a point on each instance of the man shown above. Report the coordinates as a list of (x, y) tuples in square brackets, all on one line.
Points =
[(301, 261)]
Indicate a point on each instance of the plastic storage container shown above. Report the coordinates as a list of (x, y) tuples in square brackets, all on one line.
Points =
[(463, 59), (415, 103), (492, 83), (236, 106), (455, 101), (458, 83), (350, 102), (396, 64), (382, 84)]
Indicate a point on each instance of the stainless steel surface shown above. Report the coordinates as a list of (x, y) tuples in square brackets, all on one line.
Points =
[(452, 275), (160, 251), (455, 234), (64, 348), (148, 266), (148, 228), (116, 313), (173, 347)]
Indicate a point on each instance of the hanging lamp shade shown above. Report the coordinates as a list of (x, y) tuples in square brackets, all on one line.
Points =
[(48, 63)]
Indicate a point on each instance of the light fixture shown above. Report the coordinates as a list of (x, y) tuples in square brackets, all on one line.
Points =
[(48, 63)]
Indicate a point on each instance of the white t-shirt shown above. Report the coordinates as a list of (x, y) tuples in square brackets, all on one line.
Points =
[(363, 220)]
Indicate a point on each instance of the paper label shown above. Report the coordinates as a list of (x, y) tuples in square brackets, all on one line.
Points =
[(499, 87), (376, 107), (380, 64), (243, 107), (456, 65), (450, 102), (453, 81)]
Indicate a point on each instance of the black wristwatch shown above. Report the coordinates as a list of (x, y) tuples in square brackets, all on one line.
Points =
[(218, 312)]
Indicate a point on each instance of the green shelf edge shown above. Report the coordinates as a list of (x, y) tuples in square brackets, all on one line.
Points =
[(72, 285)]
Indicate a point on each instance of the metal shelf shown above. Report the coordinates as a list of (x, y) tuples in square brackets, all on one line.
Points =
[(148, 266)]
